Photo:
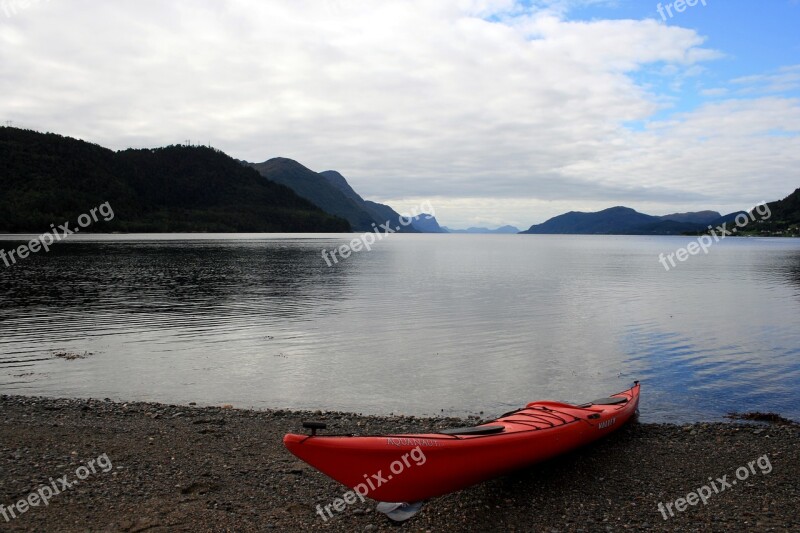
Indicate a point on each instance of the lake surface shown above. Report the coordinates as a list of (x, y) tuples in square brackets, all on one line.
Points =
[(422, 324)]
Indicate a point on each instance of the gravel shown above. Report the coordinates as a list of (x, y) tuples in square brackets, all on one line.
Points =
[(189, 468)]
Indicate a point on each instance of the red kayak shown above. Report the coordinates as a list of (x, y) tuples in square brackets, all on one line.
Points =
[(414, 467)]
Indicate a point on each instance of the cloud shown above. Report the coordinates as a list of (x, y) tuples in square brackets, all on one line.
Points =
[(786, 79), (482, 101), (716, 91)]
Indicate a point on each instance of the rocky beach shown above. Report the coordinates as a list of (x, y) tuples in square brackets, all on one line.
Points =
[(190, 468)]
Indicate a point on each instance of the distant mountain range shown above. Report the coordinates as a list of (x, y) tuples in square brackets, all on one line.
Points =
[(784, 218), (624, 221), (48, 179), (426, 223), (484, 231)]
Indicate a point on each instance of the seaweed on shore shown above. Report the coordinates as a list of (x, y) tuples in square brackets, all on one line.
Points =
[(756, 416)]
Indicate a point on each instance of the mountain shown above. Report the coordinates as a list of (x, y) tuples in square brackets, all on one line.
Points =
[(612, 221), (500, 230), (699, 217), (330, 191), (425, 223), (317, 189), (379, 212), (48, 178)]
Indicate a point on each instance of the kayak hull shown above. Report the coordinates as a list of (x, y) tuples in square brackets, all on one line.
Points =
[(413, 467)]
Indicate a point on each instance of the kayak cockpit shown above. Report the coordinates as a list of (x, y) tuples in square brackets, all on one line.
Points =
[(613, 400), (473, 430)]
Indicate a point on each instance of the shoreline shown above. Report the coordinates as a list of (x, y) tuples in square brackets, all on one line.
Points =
[(191, 468)]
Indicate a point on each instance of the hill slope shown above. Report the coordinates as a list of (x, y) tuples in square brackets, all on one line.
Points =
[(379, 212), (47, 178), (317, 189), (785, 216)]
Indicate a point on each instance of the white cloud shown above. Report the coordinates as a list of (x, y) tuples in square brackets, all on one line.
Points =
[(482, 103), (784, 80), (715, 91)]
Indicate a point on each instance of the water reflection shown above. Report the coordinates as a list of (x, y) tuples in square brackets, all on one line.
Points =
[(168, 277), (422, 324)]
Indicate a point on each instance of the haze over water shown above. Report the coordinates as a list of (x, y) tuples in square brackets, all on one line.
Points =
[(422, 324)]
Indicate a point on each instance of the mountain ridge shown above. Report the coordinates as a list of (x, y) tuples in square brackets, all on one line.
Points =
[(48, 178)]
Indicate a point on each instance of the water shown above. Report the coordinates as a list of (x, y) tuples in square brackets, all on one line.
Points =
[(422, 324)]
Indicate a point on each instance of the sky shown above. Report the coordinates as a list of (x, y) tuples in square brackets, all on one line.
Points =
[(494, 111)]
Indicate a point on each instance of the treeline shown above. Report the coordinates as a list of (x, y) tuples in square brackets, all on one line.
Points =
[(784, 216)]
